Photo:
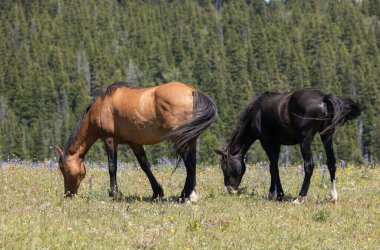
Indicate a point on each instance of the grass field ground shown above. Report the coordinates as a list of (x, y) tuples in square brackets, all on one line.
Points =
[(34, 213)]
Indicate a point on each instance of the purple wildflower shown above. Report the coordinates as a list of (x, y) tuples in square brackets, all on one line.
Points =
[(51, 164), (324, 168), (14, 161), (371, 160), (343, 164)]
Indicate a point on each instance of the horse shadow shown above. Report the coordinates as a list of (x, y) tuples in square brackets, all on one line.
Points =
[(134, 198), (131, 198)]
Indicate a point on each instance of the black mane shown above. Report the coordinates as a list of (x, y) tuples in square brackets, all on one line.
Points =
[(245, 118), (77, 127)]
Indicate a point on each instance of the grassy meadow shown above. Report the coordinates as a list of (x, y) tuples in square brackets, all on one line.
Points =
[(34, 213)]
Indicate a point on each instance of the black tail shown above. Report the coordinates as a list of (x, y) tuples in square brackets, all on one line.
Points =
[(338, 111), (185, 136)]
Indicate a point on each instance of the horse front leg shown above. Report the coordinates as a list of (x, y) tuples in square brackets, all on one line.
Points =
[(139, 152), (273, 152), (188, 193), (111, 149), (308, 168), (331, 164)]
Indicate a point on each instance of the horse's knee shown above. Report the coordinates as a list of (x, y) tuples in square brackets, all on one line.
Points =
[(309, 170), (331, 162)]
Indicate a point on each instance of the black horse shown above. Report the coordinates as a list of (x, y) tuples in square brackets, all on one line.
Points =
[(287, 119)]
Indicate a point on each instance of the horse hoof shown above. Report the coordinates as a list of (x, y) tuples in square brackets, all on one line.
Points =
[(280, 197), (157, 197), (115, 194), (333, 198), (231, 190), (159, 194), (272, 196), (192, 198), (112, 193), (300, 200)]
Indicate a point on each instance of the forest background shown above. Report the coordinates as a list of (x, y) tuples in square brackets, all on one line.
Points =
[(57, 55)]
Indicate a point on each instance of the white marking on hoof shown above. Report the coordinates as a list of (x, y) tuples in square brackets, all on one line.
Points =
[(193, 198), (230, 190), (272, 196), (300, 200), (233, 191), (333, 196)]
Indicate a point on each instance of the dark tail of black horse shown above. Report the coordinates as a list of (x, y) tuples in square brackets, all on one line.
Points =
[(204, 113), (340, 109)]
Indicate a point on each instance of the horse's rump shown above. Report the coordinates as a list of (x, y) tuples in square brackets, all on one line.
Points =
[(204, 112)]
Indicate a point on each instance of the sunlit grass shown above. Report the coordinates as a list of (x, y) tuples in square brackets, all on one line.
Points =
[(34, 213)]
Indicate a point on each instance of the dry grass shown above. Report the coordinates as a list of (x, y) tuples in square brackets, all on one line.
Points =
[(34, 214)]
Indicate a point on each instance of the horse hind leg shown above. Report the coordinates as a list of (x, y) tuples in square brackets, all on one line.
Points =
[(331, 164), (189, 193), (139, 152), (308, 168)]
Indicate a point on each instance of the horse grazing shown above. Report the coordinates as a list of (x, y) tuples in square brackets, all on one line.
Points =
[(123, 114), (287, 119)]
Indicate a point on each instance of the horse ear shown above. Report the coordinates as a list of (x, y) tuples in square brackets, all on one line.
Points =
[(59, 150), (219, 152)]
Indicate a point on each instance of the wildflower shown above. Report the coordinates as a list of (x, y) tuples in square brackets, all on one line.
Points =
[(51, 164), (171, 218), (343, 164), (324, 168), (224, 225), (371, 160)]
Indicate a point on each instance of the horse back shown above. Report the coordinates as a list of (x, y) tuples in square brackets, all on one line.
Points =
[(283, 116), (143, 115)]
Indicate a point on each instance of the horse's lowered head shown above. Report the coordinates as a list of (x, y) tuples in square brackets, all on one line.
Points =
[(233, 168), (73, 171)]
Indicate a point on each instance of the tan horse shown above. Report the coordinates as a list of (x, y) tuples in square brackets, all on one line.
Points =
[(139, 116)]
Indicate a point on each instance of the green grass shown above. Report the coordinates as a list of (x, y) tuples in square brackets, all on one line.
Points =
[(34, 214)]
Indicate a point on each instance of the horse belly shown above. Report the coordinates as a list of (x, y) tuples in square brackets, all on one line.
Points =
[(287, 137), (141, 133)]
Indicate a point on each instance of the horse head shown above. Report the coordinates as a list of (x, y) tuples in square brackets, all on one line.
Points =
[(233, 168), (73, 171)]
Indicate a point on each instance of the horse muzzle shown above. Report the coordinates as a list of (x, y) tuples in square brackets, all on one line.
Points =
[(69, 194), (231, 190)]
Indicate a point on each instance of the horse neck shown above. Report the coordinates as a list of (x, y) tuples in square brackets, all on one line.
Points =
[(241, 141), (81, 140)]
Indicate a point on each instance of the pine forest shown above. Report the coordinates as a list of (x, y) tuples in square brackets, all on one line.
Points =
[(57, 55)]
